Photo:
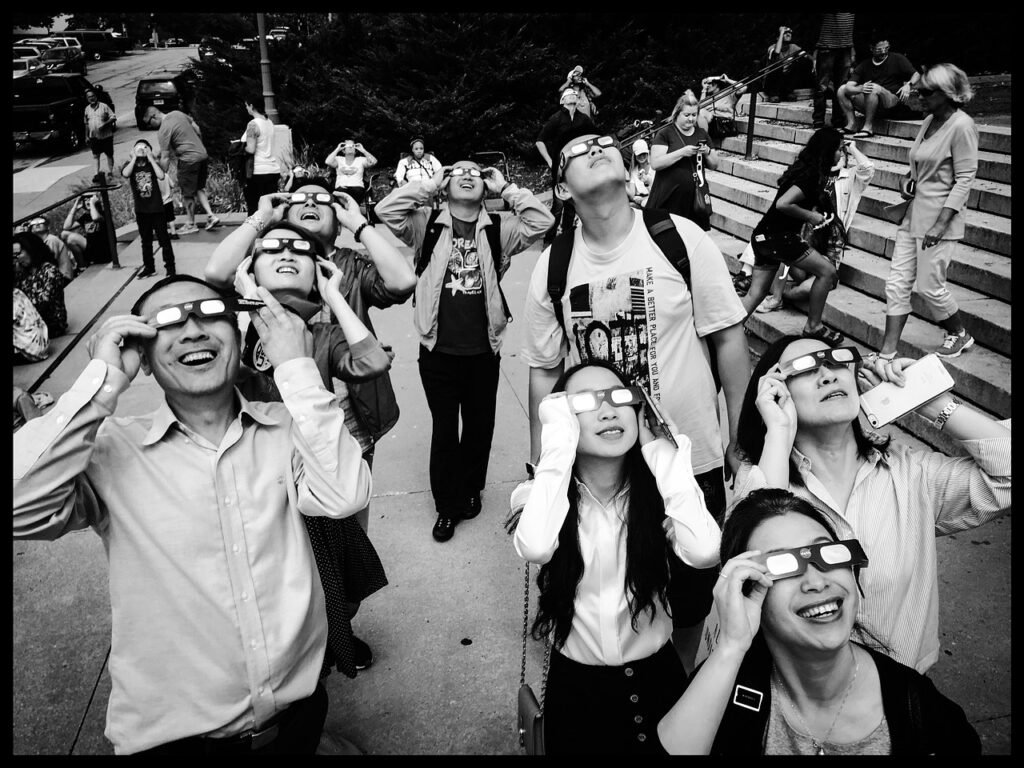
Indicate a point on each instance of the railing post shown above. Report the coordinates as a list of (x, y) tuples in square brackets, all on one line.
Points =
[(752, 113), (109, 219)]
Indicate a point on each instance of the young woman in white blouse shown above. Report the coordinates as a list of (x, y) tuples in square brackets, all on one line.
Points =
[(608, 504)]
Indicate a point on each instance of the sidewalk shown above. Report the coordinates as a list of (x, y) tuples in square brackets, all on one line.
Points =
[(446, 631)]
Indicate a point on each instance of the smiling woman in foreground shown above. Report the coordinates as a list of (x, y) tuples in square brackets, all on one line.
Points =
[(799, 429), (785, 677)]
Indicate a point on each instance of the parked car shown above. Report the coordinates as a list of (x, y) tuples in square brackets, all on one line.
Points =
[(96, 43), (28, 51), (65, 59), (209, 46), (167, 90), (40, 42), (28, 67), (176, 41), (123, 43), (67, 42), (49, 108)]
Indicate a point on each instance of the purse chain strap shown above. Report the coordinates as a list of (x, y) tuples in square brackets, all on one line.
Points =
[(547, 642)]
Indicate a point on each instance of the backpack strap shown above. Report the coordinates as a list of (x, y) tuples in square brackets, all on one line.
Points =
[(558, 272), (430, 237)]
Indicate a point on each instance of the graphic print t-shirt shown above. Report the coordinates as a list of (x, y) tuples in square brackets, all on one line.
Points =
[(631, 306), (145, 188), (462, 310)]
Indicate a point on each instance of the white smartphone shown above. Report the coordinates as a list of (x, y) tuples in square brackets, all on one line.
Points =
[(926, 380)]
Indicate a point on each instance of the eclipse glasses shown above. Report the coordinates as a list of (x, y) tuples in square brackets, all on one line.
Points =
[(833, 358), (278, 244), (581, 402), (826, 556), (581, 148), (179, 313)]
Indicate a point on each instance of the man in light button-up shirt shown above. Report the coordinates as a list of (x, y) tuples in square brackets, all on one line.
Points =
[(219, 623)]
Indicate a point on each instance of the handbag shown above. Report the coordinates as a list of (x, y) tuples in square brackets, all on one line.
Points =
[(530, 720), (701, 196)]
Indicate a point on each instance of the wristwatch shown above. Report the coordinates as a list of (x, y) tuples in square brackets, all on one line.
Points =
[(945, 413)]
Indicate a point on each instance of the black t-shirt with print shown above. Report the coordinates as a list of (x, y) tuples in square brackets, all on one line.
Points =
[(145, 189), (97, 249), (462, 310)]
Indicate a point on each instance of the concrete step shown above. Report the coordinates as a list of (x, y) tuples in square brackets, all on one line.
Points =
[(991, 138), (981, 269), (988, 319), (782, 143), (986, 195)]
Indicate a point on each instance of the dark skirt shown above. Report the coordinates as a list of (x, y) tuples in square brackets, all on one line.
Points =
[(601, 710)]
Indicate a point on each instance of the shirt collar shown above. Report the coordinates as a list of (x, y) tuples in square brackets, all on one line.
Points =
[(164, 418), (581, 487), (803, 464)]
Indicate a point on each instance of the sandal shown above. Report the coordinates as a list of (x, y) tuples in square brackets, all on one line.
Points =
[(862, 135), (830, 337), (741, 282), (846, 131)]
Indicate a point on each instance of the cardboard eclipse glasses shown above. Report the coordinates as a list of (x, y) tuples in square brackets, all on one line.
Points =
[(581, 402), (179, 313), (838, 357), (826, 556)]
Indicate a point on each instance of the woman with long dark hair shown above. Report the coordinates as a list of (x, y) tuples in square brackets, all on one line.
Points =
[(805, 196), (609, 503), (799, 429), (36, 275), (786, 677)]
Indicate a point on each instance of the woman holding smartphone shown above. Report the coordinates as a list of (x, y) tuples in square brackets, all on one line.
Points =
[(608, 504), (679, 154), (799, 429)]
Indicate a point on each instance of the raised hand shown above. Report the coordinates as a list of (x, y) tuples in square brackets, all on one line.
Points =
[(347, 210), (272, 208), (560, 429), (493, 180), (739, 615), (774, 402), (284, 334), (328, 278), (118, 341), (245, 285)]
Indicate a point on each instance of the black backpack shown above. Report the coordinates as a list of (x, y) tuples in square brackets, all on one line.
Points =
[(665, 235)]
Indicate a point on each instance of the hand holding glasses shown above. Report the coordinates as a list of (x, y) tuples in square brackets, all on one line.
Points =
[(833, 358)]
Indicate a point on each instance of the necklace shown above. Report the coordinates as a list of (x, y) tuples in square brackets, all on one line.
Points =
[(818, 746)]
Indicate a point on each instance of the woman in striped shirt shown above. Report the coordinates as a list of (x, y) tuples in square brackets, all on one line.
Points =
[(799, 429)]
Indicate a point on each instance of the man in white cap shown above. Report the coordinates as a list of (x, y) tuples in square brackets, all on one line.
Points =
[(563, 126), (586, 91)]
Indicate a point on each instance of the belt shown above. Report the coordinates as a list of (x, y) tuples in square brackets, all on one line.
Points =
[(254, 738)]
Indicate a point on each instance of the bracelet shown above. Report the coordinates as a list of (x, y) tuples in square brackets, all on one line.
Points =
[(945, 413), (359, 231), (256, 222), (507, 185)]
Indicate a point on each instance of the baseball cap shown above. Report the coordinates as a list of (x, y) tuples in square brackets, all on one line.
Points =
[(565, 93), (640, 147)]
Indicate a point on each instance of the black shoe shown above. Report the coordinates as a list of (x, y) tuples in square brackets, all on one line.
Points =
[(472, 508), (99, 178), (363, 654), (444, 528), (170, 271), (147, 272)]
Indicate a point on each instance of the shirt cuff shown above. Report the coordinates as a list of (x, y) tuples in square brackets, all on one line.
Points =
[(296, 375)]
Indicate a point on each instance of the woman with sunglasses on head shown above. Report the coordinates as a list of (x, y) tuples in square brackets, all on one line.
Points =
[(290, 264), (786, 677), (679, 152), (943, 165), (610, 500), (799, 429), (806, 196)]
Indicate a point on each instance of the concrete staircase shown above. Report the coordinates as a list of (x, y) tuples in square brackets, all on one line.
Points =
[(979, 276)]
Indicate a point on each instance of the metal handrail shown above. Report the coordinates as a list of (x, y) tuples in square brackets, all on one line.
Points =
[(725, 92), (109, 218)]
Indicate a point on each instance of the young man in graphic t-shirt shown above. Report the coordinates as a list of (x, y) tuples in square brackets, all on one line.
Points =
[(460, 315), (626, 303), (144, 175)]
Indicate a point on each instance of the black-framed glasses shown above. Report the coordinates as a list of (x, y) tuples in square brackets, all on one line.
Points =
[(924, 92), (591, 400), (278, 244), (179, 313), (825, 556), (297, 198), (581, 148), (833, 358), (476, 173)]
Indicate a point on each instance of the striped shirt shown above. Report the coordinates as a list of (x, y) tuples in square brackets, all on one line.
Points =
[(836, 30), (898, 505)]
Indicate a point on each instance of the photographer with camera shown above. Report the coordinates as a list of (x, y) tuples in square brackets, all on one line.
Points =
[(460, 314), (144, 175), (586, 91), (85, 232), (780, 84)]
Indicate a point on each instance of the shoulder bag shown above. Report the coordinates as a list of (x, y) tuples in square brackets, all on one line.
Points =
[(701, 196), (719, 126), (531, 712)]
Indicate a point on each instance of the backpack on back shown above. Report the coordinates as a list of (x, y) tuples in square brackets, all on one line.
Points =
[(665, 235)]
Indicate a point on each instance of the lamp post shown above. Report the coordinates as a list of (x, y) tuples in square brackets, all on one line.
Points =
[(268, 91)]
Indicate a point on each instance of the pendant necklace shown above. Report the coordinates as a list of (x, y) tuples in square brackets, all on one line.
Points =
[(818, 746)]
